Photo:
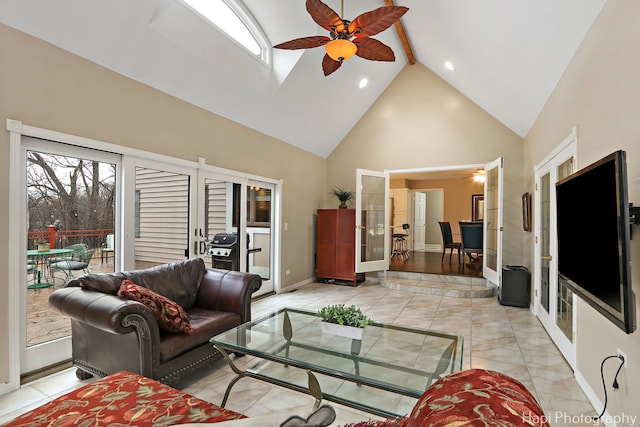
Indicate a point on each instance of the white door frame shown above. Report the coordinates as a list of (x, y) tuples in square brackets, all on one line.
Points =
[(429, 247), (436, 169), (376, 265), (48, 353), (418, 240), (494, 276), (568, 148)]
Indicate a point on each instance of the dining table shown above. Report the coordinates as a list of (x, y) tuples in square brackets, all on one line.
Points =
[(41, 264)]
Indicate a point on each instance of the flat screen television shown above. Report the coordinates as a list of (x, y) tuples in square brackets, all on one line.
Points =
[(593, 238)]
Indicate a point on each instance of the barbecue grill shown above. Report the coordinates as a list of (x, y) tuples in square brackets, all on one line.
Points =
[(224, 251)]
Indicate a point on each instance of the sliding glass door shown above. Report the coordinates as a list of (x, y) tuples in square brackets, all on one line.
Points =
[(79, 205), (260, 232), (162, 199), (70, 205), (244, 209)]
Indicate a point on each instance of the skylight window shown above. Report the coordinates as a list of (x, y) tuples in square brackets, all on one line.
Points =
[(237, 23)]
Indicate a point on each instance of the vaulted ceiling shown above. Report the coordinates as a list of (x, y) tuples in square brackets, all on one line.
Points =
[(508, 55)]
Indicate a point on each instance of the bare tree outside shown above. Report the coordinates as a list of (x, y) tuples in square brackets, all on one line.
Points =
[(76, 196), (72, 193)]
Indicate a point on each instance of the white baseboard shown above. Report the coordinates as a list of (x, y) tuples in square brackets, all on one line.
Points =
[(593, 399), (7, 388), (296, 285)]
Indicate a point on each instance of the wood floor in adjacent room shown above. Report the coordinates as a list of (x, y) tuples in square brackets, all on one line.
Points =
[(431, 262)]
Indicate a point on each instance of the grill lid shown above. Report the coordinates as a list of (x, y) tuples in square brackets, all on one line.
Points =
[(224, 240)]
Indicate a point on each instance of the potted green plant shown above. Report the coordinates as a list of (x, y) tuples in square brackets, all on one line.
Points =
[(342, 194), (43, 245), (344, 321)]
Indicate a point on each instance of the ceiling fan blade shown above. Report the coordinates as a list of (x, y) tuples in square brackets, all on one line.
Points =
[(375, 21), (304, 43), (324, 16), (329, 65), (374, 50)]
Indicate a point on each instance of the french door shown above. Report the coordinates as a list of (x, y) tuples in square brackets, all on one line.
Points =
[(554, 302), (492, 251), (372, 221)]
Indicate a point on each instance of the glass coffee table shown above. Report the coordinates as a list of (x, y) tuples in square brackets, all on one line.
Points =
[(384, 373)]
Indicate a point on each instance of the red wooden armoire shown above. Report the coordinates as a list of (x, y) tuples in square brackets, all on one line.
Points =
[(336, 245)]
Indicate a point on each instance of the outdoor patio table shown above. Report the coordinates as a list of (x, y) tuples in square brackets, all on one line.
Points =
[(41, 263)]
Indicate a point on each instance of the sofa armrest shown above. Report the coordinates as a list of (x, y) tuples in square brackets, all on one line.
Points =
[(107, 312), (230, 291)]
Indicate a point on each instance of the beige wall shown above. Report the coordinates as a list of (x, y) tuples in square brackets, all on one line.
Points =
[(457, 199), (600, 93), (420, 121), (47, 87)]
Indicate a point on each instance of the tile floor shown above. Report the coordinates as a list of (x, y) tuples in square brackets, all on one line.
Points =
[(507, 339)]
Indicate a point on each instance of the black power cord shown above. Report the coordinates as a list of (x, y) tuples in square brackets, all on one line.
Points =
[(615, 384)]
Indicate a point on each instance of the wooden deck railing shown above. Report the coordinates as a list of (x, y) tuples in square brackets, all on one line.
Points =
[(93, 238)]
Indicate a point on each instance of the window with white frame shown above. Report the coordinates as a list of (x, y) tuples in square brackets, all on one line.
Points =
[(234, 20)]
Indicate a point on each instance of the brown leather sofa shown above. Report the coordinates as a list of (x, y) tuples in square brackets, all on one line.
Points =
[(111, 334)]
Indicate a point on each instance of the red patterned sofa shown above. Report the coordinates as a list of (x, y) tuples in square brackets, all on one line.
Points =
[(124, 399), (473, 397)]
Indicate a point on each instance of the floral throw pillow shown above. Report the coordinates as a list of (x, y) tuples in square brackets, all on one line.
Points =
[(169, 315)]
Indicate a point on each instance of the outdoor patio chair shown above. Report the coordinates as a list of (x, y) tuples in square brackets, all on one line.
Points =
[(69, 266), (78, 248), (107, 248), (32, 269)]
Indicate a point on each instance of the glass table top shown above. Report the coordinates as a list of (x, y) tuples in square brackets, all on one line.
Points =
[(404, 361)]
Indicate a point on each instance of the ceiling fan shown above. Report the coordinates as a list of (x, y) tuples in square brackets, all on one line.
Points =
[(479, 176), (348, 38)]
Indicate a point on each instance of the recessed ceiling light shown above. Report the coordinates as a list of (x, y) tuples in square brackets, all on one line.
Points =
[(449, 66), (363, 83)]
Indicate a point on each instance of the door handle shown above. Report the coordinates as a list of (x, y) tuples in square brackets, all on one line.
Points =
[(547, 257), (202, 247)]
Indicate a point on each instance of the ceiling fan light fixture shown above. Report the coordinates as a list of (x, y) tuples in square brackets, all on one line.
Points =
[(341, 49), (479, 176)]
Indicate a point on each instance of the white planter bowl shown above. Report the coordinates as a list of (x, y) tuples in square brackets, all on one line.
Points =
[(342, 331)]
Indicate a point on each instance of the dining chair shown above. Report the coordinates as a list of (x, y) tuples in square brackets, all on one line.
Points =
[(447, 241), (471, 234)]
